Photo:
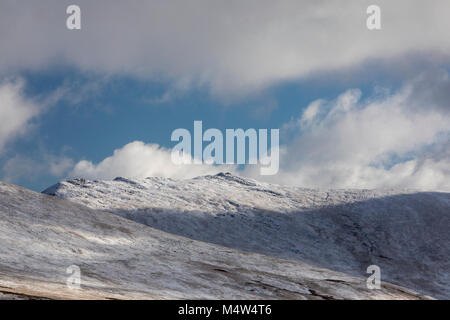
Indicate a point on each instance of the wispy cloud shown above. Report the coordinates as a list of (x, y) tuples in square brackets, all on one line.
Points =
[(16, 111)]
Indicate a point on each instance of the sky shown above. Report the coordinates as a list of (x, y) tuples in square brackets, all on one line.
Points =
[(356, 108)]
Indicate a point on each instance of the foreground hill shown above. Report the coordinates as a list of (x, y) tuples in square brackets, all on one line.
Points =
[(41, 236), (405, 233)]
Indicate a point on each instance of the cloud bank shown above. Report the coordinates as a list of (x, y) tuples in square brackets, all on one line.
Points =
[(230, 46)]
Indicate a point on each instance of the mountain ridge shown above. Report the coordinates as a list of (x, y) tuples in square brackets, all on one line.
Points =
[(42, 235), (405, 232)]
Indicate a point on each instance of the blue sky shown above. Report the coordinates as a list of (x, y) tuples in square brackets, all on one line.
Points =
[(105, 86), (123, 109)]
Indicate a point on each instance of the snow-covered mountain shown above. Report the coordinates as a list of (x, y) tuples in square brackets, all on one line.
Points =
[(41, 236), (404, 232)]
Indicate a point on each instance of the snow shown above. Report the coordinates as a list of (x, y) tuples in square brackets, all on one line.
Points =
[(404, 232), (42, 235)]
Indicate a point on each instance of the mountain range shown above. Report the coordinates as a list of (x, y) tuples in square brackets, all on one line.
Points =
[(221, 237)]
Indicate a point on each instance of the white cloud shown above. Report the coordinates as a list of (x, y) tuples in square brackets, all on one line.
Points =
[(140, 160), (389, 140), (398, 140), (231, 46), (311, 112), (16, 111)]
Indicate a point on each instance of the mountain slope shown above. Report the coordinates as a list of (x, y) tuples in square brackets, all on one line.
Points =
[(404, 232), (41, 236)]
